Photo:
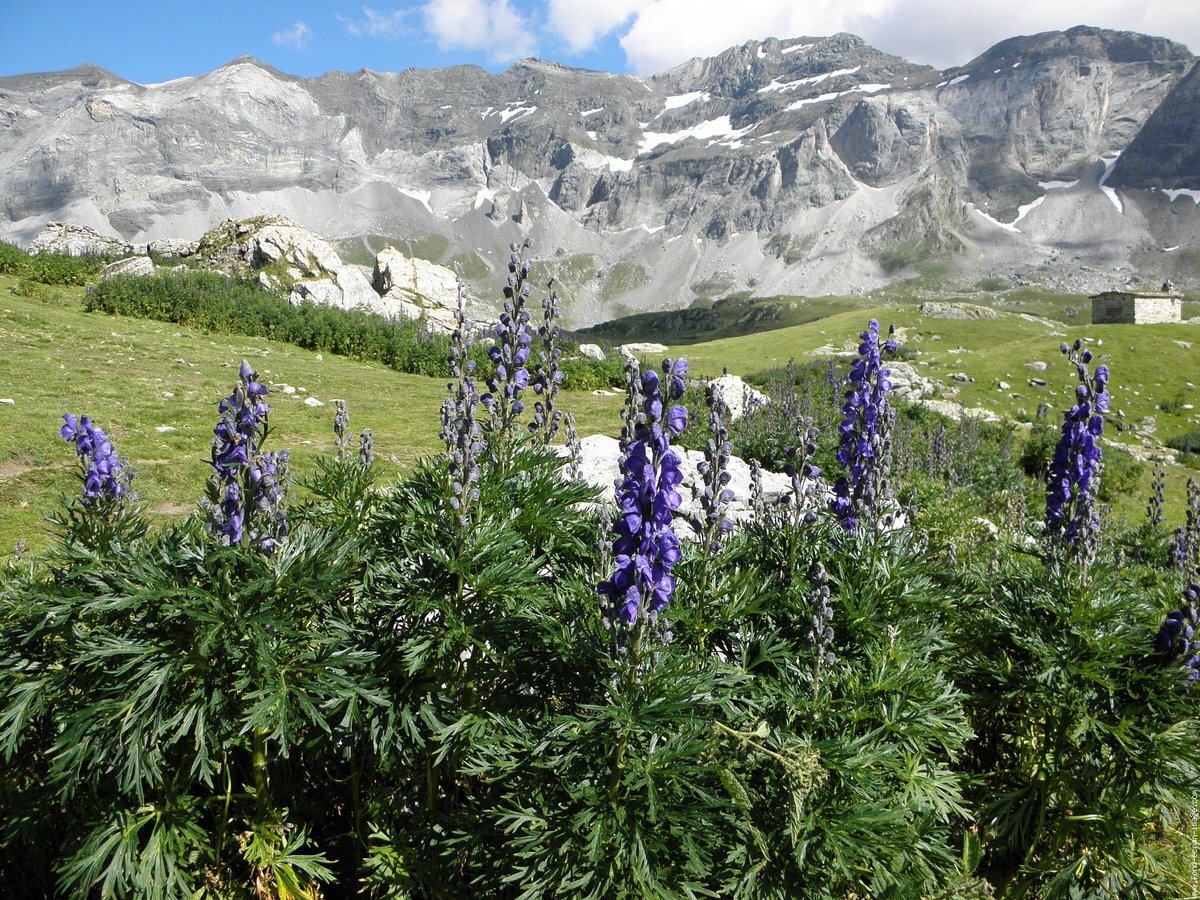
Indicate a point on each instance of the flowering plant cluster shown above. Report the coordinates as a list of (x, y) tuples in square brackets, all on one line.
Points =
[(1073, 479), (716, 495), (860, 493), (106, 477), (802, 472), (460, 426), (247, 487), (510, 352), (549, 376), (645, 548), (1179, 633)]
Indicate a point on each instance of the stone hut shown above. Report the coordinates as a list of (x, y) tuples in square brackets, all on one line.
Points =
[(1137, 307)]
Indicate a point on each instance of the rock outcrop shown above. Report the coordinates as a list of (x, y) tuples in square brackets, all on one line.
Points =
[(416, 289), (76, 240), (599, 466), (134, 266), (289, 258)]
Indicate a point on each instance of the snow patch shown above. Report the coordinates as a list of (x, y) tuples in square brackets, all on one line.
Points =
[(516, 113), (1110, 163), (484, 195), (163, 84), (959, 80), (1022, 212), (684, 99), (1171, 249), (591, 112), (797, 47), (712, 128), (761, 53), (1057, 185), (783, 86), (822, 98), (592, 135), (421, 197), (1175, 194)]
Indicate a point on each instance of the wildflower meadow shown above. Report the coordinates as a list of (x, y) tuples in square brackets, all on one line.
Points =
[(484, 679)]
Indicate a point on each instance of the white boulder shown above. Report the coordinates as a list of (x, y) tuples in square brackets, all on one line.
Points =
[(739, 398), (134, 266), (591, 351)]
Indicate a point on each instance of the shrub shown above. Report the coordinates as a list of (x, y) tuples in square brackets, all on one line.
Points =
[(50, 268)]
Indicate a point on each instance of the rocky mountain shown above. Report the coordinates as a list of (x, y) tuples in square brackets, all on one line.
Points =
[(807, 166)]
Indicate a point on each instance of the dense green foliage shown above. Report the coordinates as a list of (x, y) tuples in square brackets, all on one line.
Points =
[(414, 704), (227, 305), (49, 268), (415, 692)]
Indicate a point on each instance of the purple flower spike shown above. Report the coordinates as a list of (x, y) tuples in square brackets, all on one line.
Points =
[(1180, 635), (864, 446), (106, 478), (246, 493), (644, 547), (1073, 480)]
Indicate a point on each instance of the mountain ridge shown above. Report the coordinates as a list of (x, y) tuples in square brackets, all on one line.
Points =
[(803, 165)]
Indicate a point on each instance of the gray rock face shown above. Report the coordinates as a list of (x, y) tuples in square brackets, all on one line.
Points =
[(416, 289), (1166, 152), (136, 266), (76, 240), (809, 165)]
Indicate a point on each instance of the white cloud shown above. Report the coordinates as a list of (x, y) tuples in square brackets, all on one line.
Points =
[(489, 25), (580, 24), (658, 34), (375, 23), (297, 37)]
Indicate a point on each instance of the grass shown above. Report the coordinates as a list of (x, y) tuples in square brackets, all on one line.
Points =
[(120, 370), (1148, 367)]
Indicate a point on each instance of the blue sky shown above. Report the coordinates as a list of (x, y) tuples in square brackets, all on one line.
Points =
[(161, 40)]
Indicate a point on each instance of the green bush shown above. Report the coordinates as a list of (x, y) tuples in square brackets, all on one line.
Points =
[(223, 304), (50, 268)]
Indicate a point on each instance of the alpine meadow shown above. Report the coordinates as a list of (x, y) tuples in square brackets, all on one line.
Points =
[(777, 478)]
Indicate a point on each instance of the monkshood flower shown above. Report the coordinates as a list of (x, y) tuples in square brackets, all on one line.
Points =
[(511, 348), (802, 472), (1073, 479), (1180, 633), (1154, 508), (247, 488), (716, 495), (548, 376), (644, 547), (106, 478), (758, 496), (863, 447), (366, 448), (574, 448), (820, 631), (341, 424), (460, 425)]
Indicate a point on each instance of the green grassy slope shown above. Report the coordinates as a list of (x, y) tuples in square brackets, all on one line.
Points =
[(57, 358), (1150, 365)]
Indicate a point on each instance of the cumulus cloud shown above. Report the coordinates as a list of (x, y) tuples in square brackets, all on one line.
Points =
[(492, 26), (297, 37), (374, 23), (580, 24), (658, 34)]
